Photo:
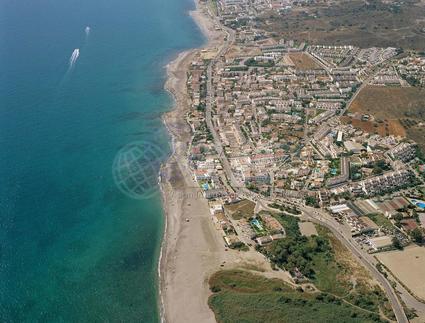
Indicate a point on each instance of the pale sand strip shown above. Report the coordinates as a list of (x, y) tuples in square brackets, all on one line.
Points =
[(189, 249)]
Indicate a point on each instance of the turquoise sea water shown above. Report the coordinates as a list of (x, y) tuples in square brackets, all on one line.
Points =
[(73, 248)]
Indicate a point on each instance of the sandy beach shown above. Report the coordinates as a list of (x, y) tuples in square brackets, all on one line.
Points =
[(190, 244), (193, 248)]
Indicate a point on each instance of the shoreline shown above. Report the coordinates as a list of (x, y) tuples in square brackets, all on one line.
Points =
[(192, 247), (179, 131), (164, 192)]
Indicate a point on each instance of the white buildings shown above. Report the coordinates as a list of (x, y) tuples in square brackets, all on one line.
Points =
[(404, 152)]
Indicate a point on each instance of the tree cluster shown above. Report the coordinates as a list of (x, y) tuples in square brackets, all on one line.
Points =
[(298, 252)]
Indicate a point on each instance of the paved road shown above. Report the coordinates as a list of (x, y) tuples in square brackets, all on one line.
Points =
[(208, 114), (409, 300), (217, 142), (365, 259)]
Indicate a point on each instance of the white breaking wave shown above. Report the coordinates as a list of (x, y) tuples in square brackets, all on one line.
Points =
[(87, 30), (74, 57)]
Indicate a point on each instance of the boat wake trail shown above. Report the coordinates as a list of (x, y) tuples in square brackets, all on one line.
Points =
[(74, 57), (87, 31), (72, 60)]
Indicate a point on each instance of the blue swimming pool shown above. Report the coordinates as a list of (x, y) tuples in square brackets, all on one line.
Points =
[(421, 205), (257, 224), (418, 203)]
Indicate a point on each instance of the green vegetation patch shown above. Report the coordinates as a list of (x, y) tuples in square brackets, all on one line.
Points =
[(259, 227), (239, 296), (290, 223), (312, 201), (369, 299), (238, 68), (381, 220), (253, 63), (335, 168), (240, 246), (285, 208), (212, 4), (327, 274), (313, 256), (328, 264)]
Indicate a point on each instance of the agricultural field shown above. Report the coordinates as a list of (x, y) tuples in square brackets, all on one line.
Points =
[(360, 23), (397, 111), (411, 275), (240, 296)]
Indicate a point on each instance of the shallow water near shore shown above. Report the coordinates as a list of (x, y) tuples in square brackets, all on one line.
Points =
[(73, 247)]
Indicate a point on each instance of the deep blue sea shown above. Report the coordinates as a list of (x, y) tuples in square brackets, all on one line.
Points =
[(73, 247)]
